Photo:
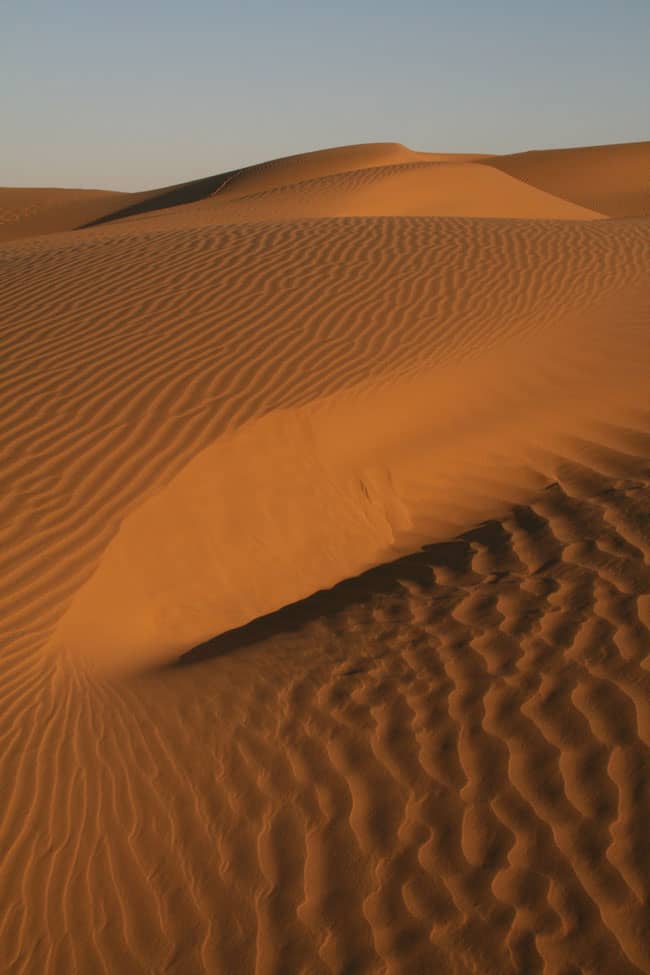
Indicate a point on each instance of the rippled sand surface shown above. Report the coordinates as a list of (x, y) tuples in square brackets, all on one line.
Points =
[(325, 589)]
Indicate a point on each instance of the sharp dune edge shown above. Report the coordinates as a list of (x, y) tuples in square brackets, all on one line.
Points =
[(326, 568)]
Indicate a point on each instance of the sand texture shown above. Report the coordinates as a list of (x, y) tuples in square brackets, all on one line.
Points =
[(325, 603)]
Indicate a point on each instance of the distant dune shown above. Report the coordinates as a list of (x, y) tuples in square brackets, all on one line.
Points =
[(326, 568), (614, 180)]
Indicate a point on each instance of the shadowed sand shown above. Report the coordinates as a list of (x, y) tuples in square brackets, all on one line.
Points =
[(249, 724)]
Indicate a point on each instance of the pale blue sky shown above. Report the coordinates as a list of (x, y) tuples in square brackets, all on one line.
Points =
[(132, 95)]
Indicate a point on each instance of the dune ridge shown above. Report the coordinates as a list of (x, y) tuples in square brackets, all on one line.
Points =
[(351, 481), (231, 395)]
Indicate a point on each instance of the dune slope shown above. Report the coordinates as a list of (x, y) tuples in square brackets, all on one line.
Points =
[(465, 189), (610, 179), (218, 405)]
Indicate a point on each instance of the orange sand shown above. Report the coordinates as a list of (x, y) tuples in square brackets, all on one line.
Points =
[(221, 400)]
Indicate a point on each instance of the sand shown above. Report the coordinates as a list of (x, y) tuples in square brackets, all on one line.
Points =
[(326, 568)]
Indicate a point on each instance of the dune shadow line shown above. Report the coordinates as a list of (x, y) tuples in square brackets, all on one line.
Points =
[(172, 196), (382, 580)]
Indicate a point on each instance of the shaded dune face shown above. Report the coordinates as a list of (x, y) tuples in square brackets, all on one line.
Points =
[(614, 180), (220, 401)]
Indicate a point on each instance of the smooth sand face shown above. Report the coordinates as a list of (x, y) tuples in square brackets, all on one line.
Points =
[(222, 397), (611, 179)]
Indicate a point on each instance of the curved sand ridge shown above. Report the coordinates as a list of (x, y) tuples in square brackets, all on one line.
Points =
[(106, 407), (298, 499), (438, 766)]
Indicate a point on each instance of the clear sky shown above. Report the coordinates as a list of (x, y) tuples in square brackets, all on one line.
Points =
[(133, 94)]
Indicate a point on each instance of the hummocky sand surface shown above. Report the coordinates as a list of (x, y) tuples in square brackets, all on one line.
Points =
[(326, 568)]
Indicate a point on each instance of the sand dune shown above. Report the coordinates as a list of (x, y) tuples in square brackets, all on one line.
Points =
[(27, 212), (328, 162), (220, 399), (610, 179), (408, 189), (32, 212)]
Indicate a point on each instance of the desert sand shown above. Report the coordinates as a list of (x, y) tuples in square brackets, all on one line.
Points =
[(326, 569)]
